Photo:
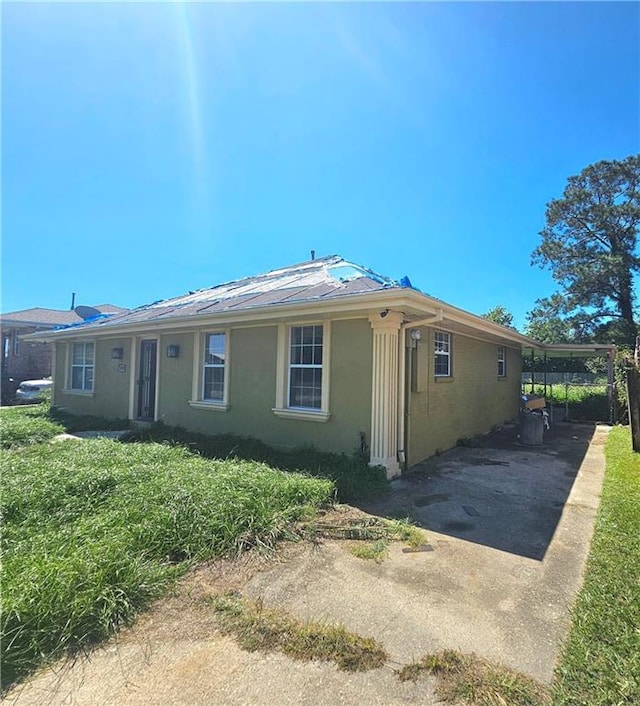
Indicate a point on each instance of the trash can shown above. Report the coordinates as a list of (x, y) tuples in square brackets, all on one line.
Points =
[(531, 428)]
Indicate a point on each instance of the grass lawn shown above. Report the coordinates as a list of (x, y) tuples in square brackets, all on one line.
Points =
[(95, 530), (601, 660), (31, 424), (586, 402)]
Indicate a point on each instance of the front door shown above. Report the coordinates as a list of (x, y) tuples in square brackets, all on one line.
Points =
[(147, 379)]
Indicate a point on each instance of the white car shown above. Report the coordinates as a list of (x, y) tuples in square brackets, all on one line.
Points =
[(33, 390)]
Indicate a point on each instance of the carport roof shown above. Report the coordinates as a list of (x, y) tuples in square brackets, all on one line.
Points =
[(572, 350)]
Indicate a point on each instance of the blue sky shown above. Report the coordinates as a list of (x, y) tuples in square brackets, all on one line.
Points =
[(149, 149)]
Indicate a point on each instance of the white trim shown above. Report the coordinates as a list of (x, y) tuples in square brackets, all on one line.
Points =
[(197, 375), (502, 358), (281, 367), (69, 377), (283, 376), (133, 368), (79, 393), (308, 415), (212, 406), (446, 354), (385, 383), (53, 375)]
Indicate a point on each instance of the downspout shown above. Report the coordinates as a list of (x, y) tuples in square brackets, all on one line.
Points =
[(403, 383)]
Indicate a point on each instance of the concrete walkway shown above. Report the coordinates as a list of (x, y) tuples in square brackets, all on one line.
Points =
[(485, 587)]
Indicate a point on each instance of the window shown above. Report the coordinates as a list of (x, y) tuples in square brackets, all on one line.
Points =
[(81, 374), (442, 352), (502, 362), (213, 367), (305, 367), (16, 343)]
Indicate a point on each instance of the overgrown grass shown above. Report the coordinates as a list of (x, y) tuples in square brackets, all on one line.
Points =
[(259, 628), (93, 531), (353, 477), (586, 402), (600, 664), (26, 425), (469, 679)]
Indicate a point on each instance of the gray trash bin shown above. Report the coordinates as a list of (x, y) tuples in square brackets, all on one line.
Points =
[(531, 428)]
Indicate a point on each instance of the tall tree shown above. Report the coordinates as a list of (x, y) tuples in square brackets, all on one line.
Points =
[(590, 244), (499, 315)]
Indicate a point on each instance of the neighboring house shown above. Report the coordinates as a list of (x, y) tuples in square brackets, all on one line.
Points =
[(324, 352), (27, 360)]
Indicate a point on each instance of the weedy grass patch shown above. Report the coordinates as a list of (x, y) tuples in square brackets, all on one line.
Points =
[(600, 664), (472, 680), (376, 551), (94, 530), (27, 425), (265, 629), (354, 478)]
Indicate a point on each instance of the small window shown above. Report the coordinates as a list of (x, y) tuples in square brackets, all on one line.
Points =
[(81, 374), (502, 362), (213, 367), (16, 343), (305, 367), (442, 352)]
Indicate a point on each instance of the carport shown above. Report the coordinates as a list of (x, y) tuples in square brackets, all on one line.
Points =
[(550, 352)]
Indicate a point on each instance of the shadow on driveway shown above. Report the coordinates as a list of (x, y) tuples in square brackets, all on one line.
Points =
[(500, 494)]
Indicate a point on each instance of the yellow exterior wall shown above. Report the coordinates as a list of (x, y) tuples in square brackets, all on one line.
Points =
[(110, 397), (440, 411), (470, 402), (252, 389)]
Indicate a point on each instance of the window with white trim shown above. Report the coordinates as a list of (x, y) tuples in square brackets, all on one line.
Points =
[(81, 371), (502, 361), (305, 367), (442, 354), (213, 367)]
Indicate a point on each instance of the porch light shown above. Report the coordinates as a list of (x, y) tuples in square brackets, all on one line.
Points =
[(173, 351), (416, 334), (117, 353)]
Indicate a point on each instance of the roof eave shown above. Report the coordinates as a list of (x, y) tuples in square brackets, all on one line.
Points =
[(414, 304)]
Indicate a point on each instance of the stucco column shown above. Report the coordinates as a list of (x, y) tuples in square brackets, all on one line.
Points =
[(384, 391)]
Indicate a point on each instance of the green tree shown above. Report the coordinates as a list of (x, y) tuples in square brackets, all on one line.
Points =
[(548, 322), (590, 244), (500, 315)]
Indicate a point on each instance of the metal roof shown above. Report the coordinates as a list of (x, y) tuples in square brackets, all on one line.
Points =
[(314, 280)]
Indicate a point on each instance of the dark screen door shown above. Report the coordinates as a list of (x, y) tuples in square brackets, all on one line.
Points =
[(147, 380)]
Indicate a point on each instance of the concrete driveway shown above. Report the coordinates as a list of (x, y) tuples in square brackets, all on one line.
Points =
[(508, 530)]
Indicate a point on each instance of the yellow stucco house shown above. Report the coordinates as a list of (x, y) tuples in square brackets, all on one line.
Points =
[(324, 352)]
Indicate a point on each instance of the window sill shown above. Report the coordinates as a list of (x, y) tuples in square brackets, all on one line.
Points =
[(443, 378), (304, 414), (82, 393), (212, 406)]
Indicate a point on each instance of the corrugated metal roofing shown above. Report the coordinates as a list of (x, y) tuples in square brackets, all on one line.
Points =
[(314, 280)]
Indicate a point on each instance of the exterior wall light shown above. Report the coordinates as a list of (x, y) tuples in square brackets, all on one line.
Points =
[(416, 334), (173, 351), (117, 353)]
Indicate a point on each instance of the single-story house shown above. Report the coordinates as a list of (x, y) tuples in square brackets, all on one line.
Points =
[(325, 352), (24, 360)]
